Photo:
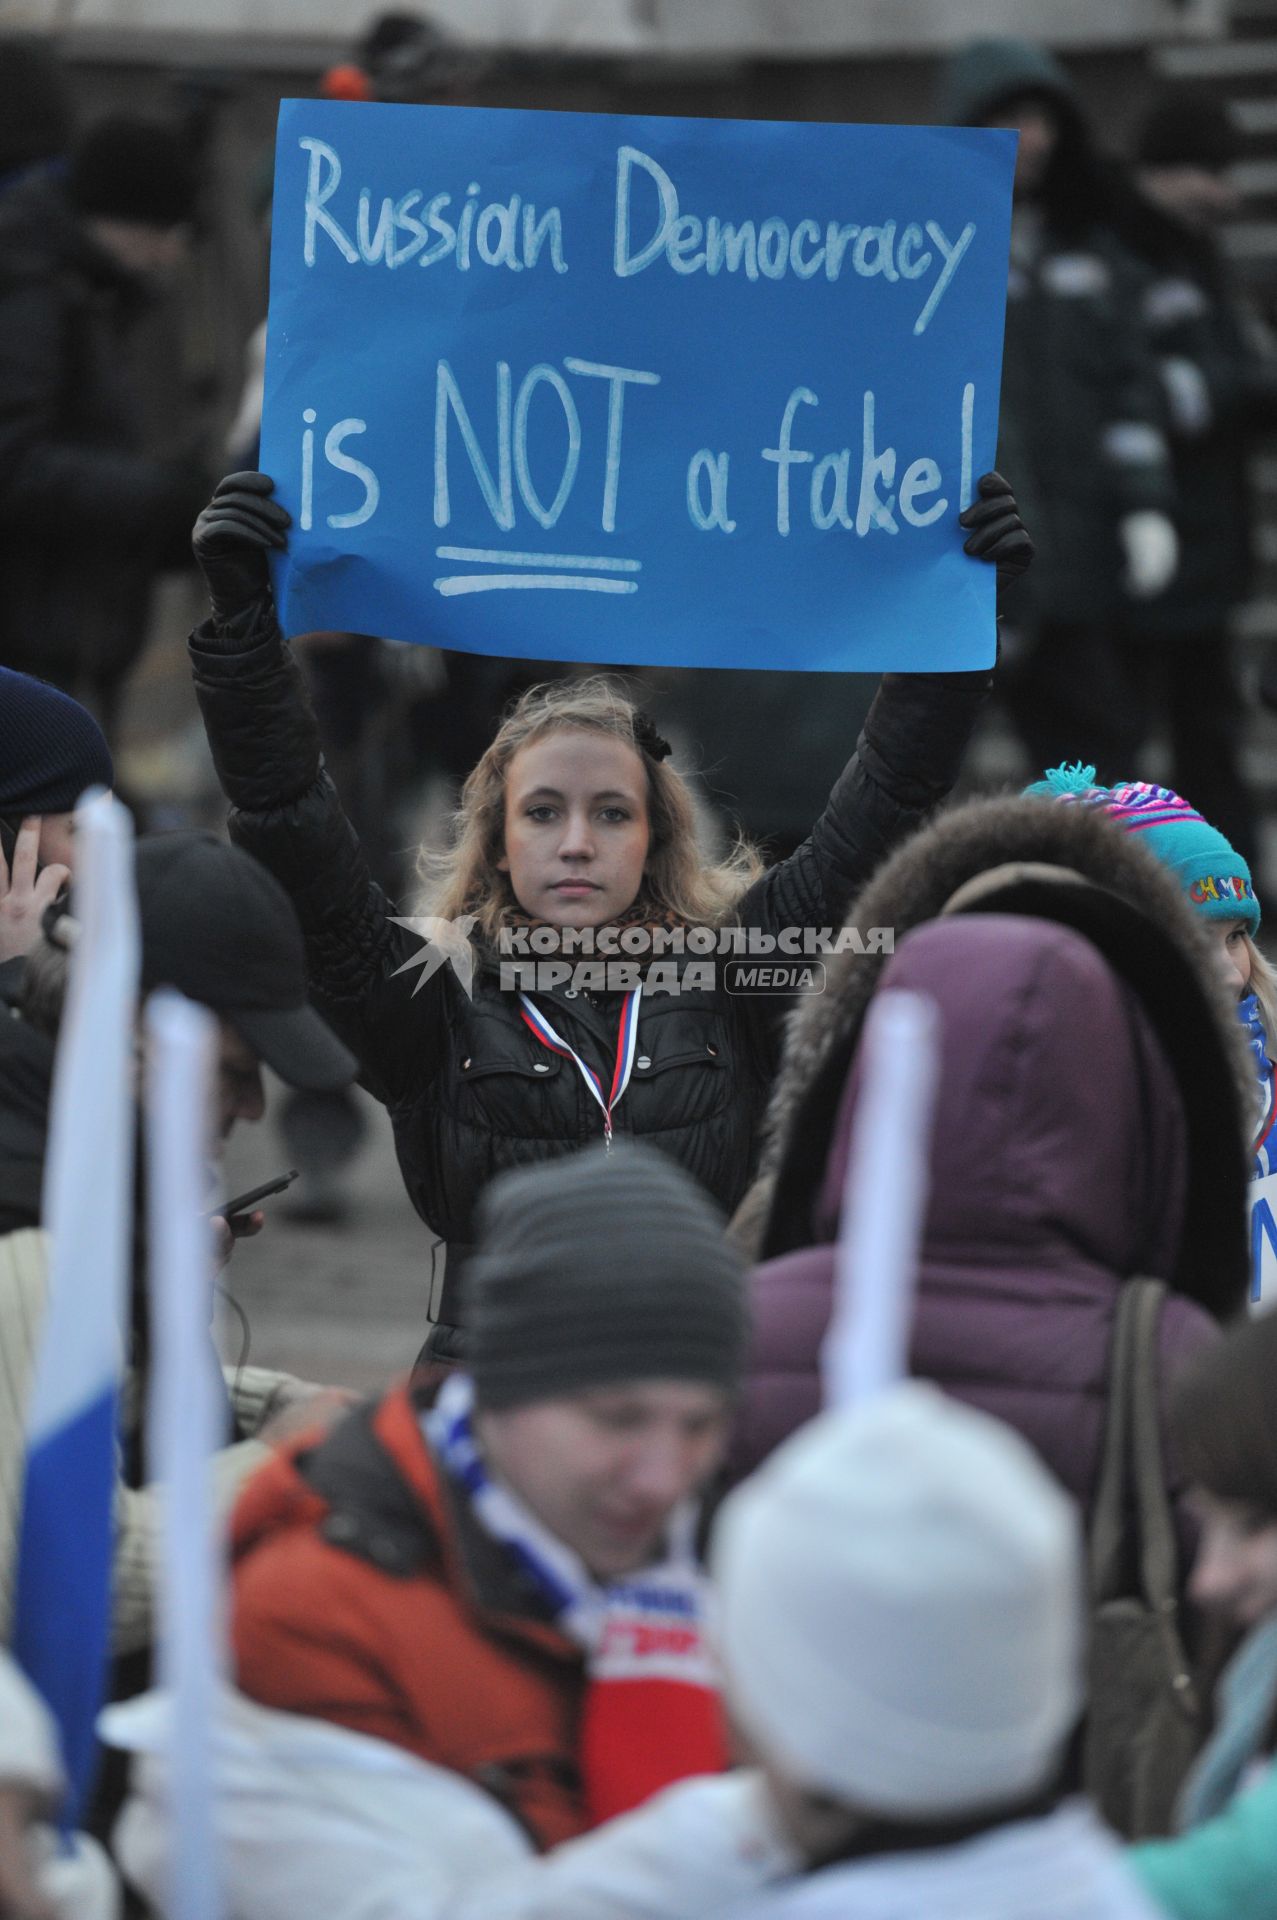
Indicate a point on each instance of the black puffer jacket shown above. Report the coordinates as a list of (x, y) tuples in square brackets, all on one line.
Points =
[(469, 1089), (1080, 433), (1200, 330)]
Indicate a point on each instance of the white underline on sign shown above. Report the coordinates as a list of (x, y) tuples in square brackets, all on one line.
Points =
[(495, 556), (454, 583)]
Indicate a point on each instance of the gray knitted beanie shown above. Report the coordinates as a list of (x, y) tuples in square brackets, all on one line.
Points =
[(597, 1269)]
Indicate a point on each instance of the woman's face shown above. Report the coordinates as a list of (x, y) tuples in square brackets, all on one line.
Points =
[(576, 827), (1235, 1572), (1228, 941)]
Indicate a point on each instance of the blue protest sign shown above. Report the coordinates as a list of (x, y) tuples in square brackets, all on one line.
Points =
[(650, 391)]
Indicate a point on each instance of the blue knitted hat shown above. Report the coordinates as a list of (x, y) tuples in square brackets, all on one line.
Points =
[(51, 748), (1211, 872)]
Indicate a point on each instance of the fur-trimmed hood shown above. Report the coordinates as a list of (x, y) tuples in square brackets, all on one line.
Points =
[(913, 886)]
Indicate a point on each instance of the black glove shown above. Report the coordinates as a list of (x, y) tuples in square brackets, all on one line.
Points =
[(997, 533), (232, 538)]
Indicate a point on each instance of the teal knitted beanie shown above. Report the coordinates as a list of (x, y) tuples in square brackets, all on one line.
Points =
[(1211, 872)]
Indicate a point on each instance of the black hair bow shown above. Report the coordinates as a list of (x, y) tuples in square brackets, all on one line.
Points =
[(646, 736)]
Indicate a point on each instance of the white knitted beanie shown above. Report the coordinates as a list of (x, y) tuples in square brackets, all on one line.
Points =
[(901, 1619)]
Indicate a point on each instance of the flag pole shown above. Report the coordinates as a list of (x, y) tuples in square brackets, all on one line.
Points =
[(866, 1348), (185, 1417)]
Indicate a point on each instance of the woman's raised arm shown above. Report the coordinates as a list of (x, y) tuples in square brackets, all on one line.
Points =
[(284, 808)]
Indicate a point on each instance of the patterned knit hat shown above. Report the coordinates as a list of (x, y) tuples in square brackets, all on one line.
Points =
[(1212, 873)]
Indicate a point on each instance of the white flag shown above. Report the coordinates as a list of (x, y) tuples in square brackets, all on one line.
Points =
[(185, 1423), (884, 1201)]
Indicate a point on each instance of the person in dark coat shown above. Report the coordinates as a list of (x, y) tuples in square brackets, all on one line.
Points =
[(86, 518), (603, 837), (1081, 427), (1219, 376), (1091, 1126)]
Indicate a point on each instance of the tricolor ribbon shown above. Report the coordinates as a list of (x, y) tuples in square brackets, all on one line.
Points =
[(626, 1048)]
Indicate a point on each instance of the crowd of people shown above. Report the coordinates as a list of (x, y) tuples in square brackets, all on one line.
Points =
[(600, 1611), (1135, 384)]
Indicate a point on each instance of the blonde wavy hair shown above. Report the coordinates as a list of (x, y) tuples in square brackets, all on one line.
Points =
[(1263, 984), (678, 883)]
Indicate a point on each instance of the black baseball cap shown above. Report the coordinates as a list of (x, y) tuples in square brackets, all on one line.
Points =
[(220, 928)]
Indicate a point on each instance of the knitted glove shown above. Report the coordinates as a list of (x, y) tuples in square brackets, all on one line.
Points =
[(997, 533), (232, 538)]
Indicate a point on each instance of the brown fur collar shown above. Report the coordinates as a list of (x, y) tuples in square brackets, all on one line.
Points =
[(912, 886)]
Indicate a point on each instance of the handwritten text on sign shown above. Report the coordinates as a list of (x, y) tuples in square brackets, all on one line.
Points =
[(667, 391)]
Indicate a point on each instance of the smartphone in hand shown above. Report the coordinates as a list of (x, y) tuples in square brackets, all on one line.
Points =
[(237, 1212)]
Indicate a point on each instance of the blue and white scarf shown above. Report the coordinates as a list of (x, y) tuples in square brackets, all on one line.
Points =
[(652, 1713), (580, 1605)]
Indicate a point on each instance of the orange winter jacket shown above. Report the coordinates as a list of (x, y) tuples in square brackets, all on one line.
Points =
[(366, 1594)]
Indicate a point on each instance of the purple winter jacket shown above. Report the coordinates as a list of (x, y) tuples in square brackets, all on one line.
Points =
[(1057, 1170)]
